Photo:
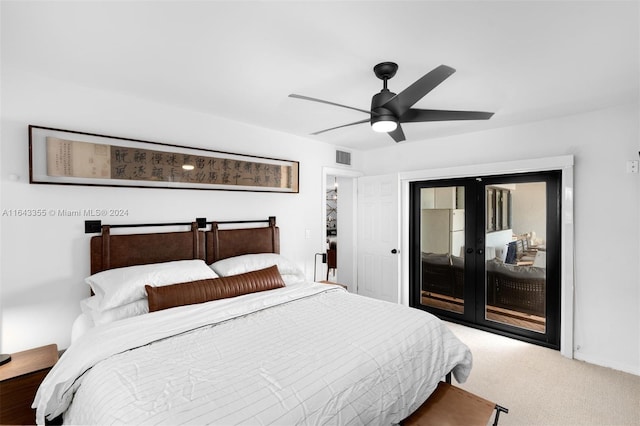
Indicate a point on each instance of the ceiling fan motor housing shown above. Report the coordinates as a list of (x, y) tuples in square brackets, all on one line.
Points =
[(380, 113)]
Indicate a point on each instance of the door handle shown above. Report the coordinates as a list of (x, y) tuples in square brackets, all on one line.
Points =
[(394, 251)]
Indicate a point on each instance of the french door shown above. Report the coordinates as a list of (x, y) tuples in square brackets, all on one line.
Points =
[(485, 251)]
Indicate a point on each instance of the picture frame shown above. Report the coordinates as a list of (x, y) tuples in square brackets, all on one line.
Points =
[(67, 157)]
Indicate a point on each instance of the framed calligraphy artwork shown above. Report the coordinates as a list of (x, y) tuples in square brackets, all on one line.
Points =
[(67, 157)]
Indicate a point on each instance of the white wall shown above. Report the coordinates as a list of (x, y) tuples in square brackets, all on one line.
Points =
[(45, 259), (529, 203), (606, 200)]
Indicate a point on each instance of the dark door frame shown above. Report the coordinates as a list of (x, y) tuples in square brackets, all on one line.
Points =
[(474, 291)]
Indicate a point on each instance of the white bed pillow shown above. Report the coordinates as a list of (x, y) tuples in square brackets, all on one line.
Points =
[(293, 278), (80, 326), (117, 287), (289, 271), (90, 306)]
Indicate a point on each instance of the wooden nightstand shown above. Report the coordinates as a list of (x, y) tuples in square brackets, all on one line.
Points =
[(19, 381), (329, 282)]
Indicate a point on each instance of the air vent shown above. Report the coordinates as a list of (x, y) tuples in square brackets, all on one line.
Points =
[(343, 157)]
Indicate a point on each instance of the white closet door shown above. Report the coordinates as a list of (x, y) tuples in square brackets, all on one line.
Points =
[(378, 237)]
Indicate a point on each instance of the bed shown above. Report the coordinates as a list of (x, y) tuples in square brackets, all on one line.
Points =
[(239, 337)]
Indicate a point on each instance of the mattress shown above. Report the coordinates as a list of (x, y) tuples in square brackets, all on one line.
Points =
[(302, 354)]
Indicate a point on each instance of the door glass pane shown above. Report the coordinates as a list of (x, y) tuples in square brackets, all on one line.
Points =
[(516, 255), (442, 246)]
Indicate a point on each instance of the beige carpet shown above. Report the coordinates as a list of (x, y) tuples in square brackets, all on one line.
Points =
[(541, 387)]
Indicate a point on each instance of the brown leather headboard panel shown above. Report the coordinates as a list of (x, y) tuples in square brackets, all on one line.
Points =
[(116, 251), (224, 243)]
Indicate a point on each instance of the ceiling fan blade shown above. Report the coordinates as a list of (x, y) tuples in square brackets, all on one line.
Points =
[(419, 115), (404, 100), (397, 134), (307, 98), (344, 125)]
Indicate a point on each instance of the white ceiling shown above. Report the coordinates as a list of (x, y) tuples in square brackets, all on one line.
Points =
[(523, 60)]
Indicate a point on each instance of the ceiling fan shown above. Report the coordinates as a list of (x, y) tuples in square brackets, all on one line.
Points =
[(389, 110)]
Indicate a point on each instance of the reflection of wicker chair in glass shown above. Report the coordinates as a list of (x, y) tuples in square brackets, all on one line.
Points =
[(440, 276), (457, 266), (517, 288), (523, 252)]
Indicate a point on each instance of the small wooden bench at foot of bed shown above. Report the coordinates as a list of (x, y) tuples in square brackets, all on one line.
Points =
[(452, 406)]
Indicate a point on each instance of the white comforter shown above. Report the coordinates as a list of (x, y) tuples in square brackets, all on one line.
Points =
[(303, 354)]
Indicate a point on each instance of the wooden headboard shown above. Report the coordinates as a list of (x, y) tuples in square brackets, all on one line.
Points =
[(116, 251)]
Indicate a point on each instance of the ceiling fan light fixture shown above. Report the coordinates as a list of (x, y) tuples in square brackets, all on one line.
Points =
[(384, 124)]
